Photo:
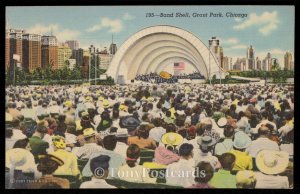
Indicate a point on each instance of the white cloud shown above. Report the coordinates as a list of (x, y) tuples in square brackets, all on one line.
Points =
[(43, 29), (267, 22), (67, 35), (238, 46), (60, 33), (113, 25), (127, 16), (230, 41)]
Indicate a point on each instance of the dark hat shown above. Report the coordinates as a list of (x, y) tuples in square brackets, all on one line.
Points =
[(206, 141), (101, 161), (51, 157), (129, 122), (185, 149)]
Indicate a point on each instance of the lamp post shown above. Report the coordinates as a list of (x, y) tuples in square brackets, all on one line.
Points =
[(96, 57), (15, 72), (209, 65)]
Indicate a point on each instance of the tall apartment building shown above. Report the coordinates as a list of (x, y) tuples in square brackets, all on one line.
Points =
[(258, 64), (250, 58), (31, 56), (7, 49), (49, 51), (227, 63), (105, 59), (216, 49), (64, 53), (288, 60), (78, 55), (73, 44), (15, 45), (267, 63)]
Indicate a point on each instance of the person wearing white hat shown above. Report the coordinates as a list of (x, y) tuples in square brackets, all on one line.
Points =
[(270, 164), (204, 152), (226, 144), (243, 161)]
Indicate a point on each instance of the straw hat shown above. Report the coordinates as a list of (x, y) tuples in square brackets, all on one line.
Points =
[(241, 140), (105, 103), (172, 139), (222, 122), (52, 157), (271, 161), (88, 132)]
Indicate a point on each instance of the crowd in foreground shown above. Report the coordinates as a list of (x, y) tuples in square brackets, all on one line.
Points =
[(190, 136)]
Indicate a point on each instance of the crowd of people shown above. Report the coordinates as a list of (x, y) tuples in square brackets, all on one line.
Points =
[(190, 136), (156, 78)]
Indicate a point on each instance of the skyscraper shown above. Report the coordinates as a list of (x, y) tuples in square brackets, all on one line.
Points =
[(73, 44), (216, 49), (258, 64), (227, 63), (64, 53), (31, 52), (104, 59), (7, 49), (288, 60), (49, 51), (250, 58), (78, 55), (15, 44), (112, 47)]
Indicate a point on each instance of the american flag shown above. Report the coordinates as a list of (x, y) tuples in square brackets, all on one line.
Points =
[(179, 66)]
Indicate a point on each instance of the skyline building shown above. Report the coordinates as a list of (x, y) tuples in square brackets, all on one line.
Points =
[(216, 49), (15, 45), (78, 55), (50, 51), (288, 60), (105, 58), (73, 44), (250, 58), (64, 53), (31, 52)]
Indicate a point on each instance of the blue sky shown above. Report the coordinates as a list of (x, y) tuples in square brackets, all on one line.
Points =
[(267, 28)]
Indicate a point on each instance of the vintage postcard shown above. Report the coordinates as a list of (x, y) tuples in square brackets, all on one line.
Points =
[(185, 97)]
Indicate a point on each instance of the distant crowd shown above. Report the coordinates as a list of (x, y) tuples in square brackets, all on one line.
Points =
[(156, 78)]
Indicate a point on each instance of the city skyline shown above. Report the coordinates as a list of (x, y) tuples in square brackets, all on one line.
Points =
[(95, 25)]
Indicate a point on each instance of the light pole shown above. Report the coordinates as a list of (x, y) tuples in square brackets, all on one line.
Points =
[(96, 58), (14, 72), (209, 65), (220, 72), (90, 60)]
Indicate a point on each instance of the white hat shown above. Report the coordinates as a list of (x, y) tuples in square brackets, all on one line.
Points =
[(241, 140), (122, 132), (272, 161), (222, 122), (180, 112)]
